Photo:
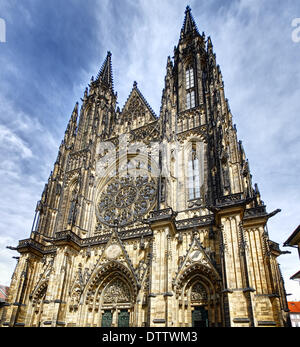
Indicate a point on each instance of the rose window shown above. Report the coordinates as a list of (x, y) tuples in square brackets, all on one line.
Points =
[(126, 199)]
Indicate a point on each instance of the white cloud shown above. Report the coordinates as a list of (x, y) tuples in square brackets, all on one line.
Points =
[(24, 168), (141, 45), (10, 142), (7, 264)]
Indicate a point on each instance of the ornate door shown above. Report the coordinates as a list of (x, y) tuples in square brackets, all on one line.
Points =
[(106, 319), (123, 319), (200, 317)]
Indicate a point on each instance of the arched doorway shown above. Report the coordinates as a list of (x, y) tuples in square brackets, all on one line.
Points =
[(116, 304), (110, 298), (199, 303), (198, 293)]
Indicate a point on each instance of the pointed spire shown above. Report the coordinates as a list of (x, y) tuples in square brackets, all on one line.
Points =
[(169, 67), (75, 110), (189, 24), (169, 63), (72, 125), (257, 195), (74, 114), (209, 44), (256, 190), (105, 73)]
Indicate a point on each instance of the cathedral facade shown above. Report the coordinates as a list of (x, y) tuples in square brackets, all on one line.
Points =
[(151, 221)]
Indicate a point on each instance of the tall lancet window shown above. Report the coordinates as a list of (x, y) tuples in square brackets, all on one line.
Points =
[(193, 174), (190, 88)]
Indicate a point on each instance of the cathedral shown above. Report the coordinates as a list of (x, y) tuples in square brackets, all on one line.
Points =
[(151, 220)]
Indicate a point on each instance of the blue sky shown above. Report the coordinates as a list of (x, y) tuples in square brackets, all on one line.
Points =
[(53, 48)]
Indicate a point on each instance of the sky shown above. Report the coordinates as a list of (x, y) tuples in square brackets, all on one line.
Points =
[(52, 49)]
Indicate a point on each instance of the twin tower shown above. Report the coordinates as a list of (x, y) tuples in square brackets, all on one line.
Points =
[(151, 221)]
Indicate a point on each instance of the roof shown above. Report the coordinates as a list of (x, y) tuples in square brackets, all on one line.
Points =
[(3, 293), (294, 306), (105, 73), (294, 238), (296, 276), (135, 89)]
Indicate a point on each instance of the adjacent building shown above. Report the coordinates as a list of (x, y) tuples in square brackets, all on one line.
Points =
[(294, 241), (3, 301), (294, 308)]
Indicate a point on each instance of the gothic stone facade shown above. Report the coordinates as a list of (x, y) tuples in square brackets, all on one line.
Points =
[(182, 242)]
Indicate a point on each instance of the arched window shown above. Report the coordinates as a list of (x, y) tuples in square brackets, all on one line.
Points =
[(190, 88), (189, 78), (193, 174)]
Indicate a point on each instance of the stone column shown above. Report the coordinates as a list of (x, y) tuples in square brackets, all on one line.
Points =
[(235, 300), (161, 295)]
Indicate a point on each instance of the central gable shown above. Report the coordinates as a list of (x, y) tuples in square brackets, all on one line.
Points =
[(136, 111)]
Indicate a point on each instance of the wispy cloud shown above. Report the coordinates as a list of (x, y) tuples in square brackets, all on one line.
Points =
[(9, 142)]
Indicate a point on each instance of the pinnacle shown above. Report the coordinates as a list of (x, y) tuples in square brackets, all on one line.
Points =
[(105, 73), (189, 24), (76, 107), (209, 43)]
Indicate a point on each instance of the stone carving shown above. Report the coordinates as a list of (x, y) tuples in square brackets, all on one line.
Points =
[(146, 133), (77, 160), (113, 251), (78, 285), (198, 292), (116, 292), (126, 199), (73, 208), (196, 255), (43, 280), (136, 107)]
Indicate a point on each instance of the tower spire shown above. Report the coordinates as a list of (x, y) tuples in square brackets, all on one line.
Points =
[(189, 24), (105, 74)]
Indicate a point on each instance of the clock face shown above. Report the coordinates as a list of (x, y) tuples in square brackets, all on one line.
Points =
[(126, 199), (113, 251)]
